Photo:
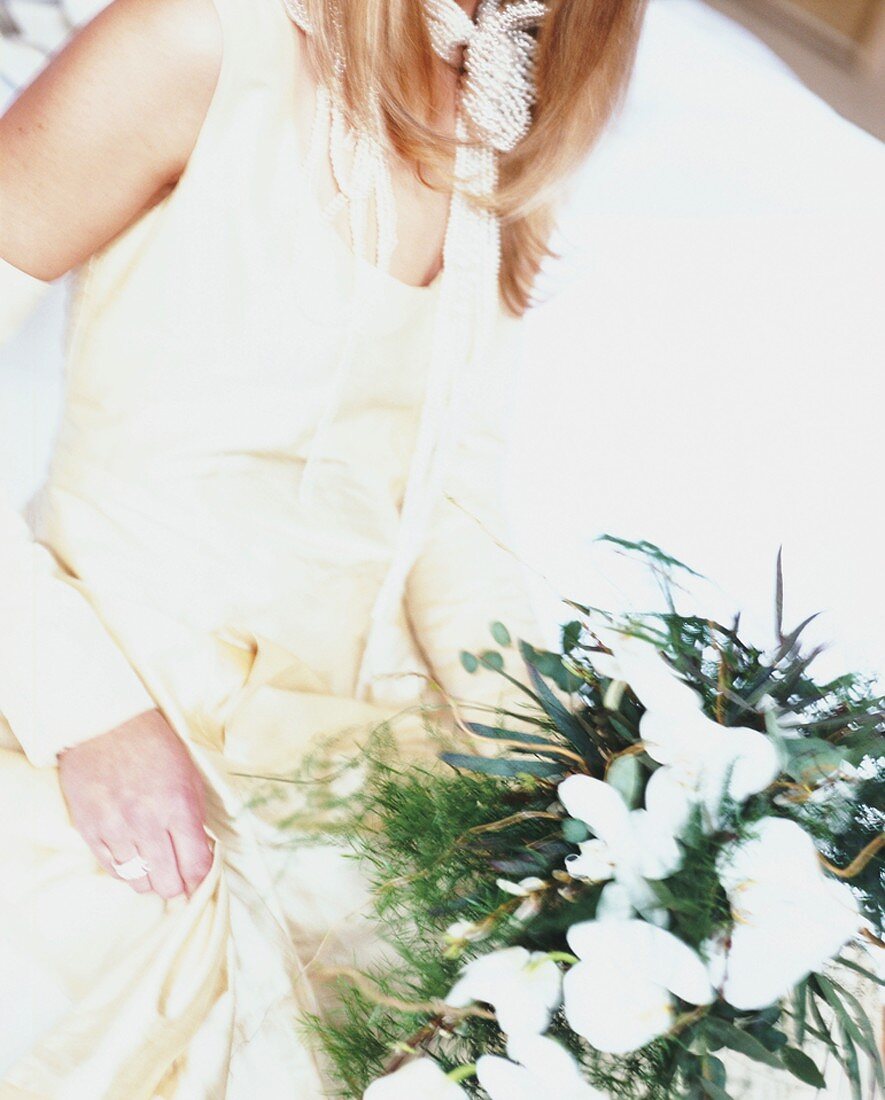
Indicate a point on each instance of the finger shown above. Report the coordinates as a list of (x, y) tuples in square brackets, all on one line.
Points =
[(109, 852), (192, 852), (162, 866)]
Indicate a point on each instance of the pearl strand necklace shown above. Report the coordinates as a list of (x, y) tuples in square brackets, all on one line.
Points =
[(493, 115)]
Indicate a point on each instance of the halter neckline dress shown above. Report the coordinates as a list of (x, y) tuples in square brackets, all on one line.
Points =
[(186, 570)]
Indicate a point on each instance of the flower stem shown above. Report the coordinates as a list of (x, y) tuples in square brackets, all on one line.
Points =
[(562, 957), (859, 862)]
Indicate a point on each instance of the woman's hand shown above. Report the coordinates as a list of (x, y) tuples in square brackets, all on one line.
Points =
[(136, 792)]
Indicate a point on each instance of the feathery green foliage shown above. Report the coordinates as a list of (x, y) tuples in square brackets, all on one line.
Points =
[(434, 844)]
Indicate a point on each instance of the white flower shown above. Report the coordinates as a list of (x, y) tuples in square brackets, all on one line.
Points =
[(618, 995), (463, 932), (703, 763), (703, 760), (640, 664), (544, 1069), (530, 889), (523, 888), (790, 917), (629, 846), (523, 987), (421, 1078)]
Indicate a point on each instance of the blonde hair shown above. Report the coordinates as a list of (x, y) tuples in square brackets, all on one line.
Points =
[(585, 53)]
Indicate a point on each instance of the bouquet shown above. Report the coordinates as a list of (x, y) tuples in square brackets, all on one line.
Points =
[(674, 855)]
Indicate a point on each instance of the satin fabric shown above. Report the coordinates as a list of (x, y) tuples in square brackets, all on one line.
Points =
[(177, 565)]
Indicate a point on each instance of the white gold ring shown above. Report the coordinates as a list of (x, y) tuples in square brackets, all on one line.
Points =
[(132, 869)]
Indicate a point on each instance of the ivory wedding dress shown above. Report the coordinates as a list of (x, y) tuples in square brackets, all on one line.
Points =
[(224, 344)]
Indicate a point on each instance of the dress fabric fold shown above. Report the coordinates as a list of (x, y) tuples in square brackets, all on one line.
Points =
[(177, 563)]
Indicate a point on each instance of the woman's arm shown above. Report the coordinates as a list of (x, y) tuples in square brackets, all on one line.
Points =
[(104, 131), (99, 137)]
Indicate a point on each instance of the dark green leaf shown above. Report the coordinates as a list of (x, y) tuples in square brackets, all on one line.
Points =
[(771, 1038), (648, 551), (800, 996), (801, 1066), (713, 1090), (713, 1070), (501, 634), (858, 1033), (571, 635), (864, 1026), (491, 658), (861, 970), (736, 1039), (498, 733), (567, 723), (506, 768)]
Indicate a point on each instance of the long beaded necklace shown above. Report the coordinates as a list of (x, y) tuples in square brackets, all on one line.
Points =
[(493, 114)]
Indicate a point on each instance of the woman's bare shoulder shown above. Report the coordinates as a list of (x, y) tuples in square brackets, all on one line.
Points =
[(106, 128)]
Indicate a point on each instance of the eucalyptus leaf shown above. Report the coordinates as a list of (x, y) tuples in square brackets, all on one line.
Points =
[(574, 831), (811, 760), (491, 658), (469, 661), (625, 774)]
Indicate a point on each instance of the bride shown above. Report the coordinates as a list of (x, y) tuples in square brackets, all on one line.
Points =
[(303, 240)]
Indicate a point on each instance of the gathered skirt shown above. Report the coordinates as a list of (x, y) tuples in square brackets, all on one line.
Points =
[(106, 994)]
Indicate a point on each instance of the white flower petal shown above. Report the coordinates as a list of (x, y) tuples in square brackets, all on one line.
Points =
[(674, 964), (503, 1080), (756, 762), (422, 1078), (614, 903), (659, 854), (613, 1007), (789, 917), (550, 1068), (669, 799), (654, 682), (598, 805), (709, 760), (523, 988), (618, 996), (594, 863), (715, 951), (513, 888)]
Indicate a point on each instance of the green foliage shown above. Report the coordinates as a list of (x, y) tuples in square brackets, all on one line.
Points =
[(693, 895), (434, 844)]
